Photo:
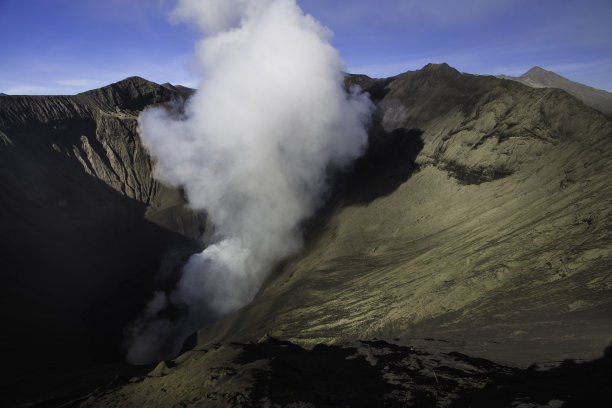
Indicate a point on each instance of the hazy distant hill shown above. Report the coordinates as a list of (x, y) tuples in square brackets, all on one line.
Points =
[(540, 78)]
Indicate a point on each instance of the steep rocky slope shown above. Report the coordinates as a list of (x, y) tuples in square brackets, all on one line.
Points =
[(84, 228), (540, 78)]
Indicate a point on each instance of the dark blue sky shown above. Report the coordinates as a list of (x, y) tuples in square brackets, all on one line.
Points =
[(68, 46)]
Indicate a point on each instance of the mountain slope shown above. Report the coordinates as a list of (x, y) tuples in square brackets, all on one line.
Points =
[(84, 228), (479, 223), (537, 77), (502, 235)]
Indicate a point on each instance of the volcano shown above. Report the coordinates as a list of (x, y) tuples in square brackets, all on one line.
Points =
[(463, 260)]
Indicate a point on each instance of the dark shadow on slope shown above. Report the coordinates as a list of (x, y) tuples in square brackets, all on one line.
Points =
[(324, 376), (575, 384), (78, 263), (376, 88), (466, 175), (394, 375), (388, 162)]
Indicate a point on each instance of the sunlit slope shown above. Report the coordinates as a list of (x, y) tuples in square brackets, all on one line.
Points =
[(500, 240)]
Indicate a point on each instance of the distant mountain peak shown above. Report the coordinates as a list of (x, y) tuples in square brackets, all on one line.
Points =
[(133, 93), (133, 82), (547, 78), (441, 67), (442, 70), (536, 69), (538, 77)]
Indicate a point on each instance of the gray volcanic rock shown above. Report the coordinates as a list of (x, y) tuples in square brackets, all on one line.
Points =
[(538, 77), (86, 232)]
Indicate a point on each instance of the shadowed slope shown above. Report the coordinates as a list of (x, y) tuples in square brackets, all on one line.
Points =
[(275, 373), (86, 234)]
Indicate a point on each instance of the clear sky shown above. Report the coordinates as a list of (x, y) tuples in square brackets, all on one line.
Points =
[(69, 46)]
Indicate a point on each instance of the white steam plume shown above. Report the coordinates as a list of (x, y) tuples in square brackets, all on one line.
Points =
[(252, 148)]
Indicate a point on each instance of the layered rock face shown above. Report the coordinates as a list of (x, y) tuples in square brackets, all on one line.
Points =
[(87, 232)]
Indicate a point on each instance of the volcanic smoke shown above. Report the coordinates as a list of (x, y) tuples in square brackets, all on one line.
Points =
[(253, 148)]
